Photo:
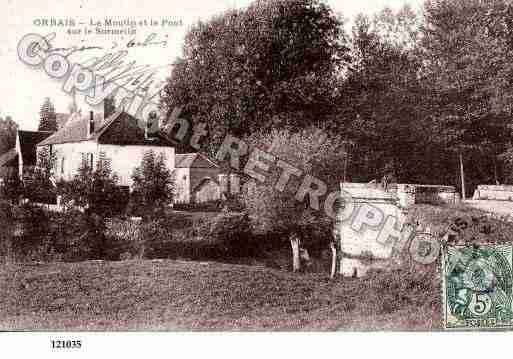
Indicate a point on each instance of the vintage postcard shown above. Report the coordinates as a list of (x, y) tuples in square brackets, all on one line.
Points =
[(256, 165)]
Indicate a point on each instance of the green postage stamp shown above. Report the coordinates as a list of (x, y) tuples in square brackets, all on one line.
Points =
[(477, 287)]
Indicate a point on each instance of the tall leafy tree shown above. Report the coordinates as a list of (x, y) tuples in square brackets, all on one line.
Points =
[(47, 116), (466, 56), (39, 183), (382, 105), (153, 184), (8, 130), (273, 64), (276, 211)]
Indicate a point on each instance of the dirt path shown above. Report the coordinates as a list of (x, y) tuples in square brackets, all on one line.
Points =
[(498, 207)]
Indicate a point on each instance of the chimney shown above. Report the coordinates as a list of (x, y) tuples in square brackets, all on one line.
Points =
[(91, 124)]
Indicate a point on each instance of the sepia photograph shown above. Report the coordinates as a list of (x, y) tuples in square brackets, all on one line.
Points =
[(256, 166)]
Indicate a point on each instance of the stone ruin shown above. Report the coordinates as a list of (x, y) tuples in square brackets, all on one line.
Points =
[(361, 249)]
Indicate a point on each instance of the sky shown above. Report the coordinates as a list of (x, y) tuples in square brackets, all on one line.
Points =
[(23, 89)]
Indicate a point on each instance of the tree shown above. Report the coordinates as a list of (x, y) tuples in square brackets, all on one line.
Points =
[(467, 67), (92, 188), (274, 211), (383, 103), (47, 116), (39, 184), (153, 184), (273, 64), (8, 130), (96, 191)]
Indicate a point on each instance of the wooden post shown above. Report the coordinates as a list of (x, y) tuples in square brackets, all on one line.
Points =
[(333, 259), (296, 262)]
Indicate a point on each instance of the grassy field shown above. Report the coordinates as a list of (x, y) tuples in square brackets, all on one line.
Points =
[(170, 294), (179, 295)]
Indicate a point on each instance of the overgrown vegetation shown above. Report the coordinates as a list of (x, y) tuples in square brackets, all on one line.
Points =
[(95, 189), (275, 207), (153, 186)]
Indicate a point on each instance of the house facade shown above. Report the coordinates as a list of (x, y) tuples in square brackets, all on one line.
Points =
[(118, 138)]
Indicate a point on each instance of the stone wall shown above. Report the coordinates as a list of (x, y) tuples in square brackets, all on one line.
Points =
[(373, 218), (498, 193), (409, 194), (359, 231)]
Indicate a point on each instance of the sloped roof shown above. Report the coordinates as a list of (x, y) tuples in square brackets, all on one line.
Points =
[(120, 129), (9, 158), (28, 144), (193, 160), (75, 130), (62, 119), (123, 129)]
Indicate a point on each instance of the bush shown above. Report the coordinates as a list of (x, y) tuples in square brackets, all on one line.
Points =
[(95, 189), (232, 231), (26, 234), (77, 236), (11, 188), (39, 190)]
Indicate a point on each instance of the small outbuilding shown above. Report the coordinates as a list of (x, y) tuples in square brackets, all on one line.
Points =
[(196, 179)]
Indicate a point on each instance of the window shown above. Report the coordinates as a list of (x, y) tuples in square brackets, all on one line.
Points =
[(91, 161), (62, 165)]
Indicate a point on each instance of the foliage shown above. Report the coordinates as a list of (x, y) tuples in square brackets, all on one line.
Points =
[(231, 230), (467, 55), (47, 116), (11, 188), (8, 130), (39, 184), (153, 185), (240, 70), (383, 108), (94, 189), (312, 152)]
